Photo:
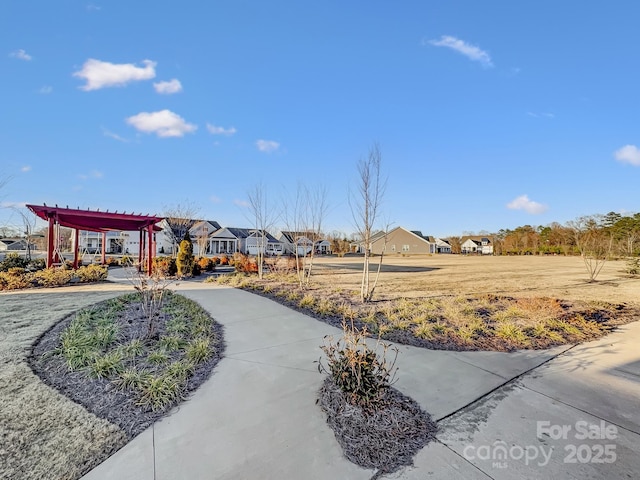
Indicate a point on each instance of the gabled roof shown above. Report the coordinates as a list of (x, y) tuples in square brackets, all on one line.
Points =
[(476, 238), (241, 233), (292, 237), (270, 238)]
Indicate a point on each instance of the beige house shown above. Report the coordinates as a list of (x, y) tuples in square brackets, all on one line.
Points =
[(402, 241)]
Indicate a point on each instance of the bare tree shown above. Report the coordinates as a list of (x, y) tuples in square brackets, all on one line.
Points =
[(593, 241), (304, 217), (263, 218), (202, 237), (29, 222), (365, 204), (180, 218)]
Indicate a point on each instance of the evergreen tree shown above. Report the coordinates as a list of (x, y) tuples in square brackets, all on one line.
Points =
[(185, 260)]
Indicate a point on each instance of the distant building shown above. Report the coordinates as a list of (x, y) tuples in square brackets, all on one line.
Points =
[(476, 245)]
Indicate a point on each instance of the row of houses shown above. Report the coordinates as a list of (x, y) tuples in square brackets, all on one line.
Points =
[(210, 238)]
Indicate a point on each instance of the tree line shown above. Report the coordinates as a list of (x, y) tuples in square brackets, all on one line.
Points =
[(616, 234)]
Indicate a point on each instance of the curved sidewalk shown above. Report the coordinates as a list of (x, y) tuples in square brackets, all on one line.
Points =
[(256, 416)]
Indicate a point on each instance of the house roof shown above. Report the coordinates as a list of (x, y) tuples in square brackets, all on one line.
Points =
[(241, 233), (476, 238), (291, 236)]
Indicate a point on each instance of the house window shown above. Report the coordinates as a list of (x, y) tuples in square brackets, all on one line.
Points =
[(393, 247), (405, 248)]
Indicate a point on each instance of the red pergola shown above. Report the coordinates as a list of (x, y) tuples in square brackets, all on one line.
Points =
[(96, 221)]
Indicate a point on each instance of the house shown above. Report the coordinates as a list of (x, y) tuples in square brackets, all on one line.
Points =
[(476, 245), (229, 240), (199, 231), (442, 246), (401, 241), (128, 242), (9, 244), (300, 241), (322, 247)]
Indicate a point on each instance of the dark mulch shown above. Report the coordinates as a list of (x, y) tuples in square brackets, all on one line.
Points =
[(386, 438), (99, 396)]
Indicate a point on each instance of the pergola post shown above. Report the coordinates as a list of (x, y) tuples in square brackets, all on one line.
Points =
[(140, 250), (50, 235), (104, 248), (75, 248), (150, 249)]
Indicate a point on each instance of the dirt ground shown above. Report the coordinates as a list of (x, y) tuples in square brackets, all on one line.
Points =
[(518, 276)]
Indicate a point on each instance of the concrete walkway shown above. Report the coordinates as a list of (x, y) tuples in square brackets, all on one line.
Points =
[(256, 416)]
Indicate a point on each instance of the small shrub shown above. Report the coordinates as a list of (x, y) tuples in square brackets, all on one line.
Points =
[(224, 260), (126, 261), (357, 369), (92, 273), (53, 277), (13, 260), (196, 271), (165, 266), (37, 264)]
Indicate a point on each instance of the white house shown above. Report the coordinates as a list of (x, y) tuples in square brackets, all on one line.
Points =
[(299, 241), (477, 245), (229, 240), (128, 242)]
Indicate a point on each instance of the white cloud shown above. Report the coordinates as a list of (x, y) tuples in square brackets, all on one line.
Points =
[(164, 123), (21, 55), (267, 146), (215, 199), (93, 8), (628, 154), (46, 90), (470, 51), (115, 136), (93, 174), (100, 74), (241, 203), (26, 168), (523, 203), (220, 130), (167, 88)]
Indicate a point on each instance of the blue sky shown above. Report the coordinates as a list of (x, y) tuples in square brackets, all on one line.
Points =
[(489, 115)]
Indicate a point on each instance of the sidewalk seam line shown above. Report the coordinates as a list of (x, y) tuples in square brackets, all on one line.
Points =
[(579, 409), (503, 384), (464, 459)]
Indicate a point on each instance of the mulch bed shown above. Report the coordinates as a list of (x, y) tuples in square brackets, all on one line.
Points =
[(99, 396), (386, 438)]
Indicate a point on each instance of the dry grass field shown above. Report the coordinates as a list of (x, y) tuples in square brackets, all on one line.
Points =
[(445, 275), (456, 302)]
